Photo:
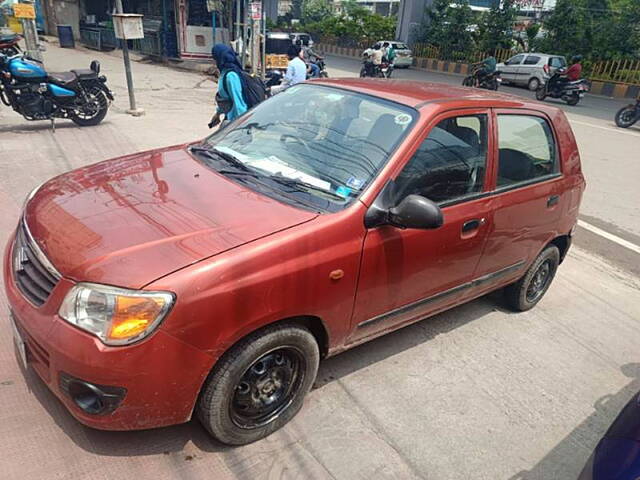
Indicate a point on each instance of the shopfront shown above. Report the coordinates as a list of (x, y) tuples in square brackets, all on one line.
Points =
[(200, 26)]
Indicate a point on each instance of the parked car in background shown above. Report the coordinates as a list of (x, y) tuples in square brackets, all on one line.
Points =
[(530, 69), (210, 279), (404, 55), (305, 38), (617, 455)]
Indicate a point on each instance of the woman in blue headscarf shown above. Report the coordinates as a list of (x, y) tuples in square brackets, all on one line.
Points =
[(231, 84)]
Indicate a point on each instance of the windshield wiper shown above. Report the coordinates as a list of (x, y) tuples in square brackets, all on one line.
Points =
[(215, 153), (302, 186)]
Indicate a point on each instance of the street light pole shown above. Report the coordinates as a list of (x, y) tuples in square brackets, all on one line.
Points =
[(133, 110)]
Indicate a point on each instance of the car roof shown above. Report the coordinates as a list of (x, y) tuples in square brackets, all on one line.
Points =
[(278, 35), (541, 54), (419, 94)]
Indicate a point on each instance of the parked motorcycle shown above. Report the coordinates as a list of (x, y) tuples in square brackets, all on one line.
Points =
[(570, 92), (79, 95), (489, 82), (628, 115), (9, 44)]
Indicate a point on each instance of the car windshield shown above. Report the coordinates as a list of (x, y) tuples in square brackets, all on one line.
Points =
[(320, 144)]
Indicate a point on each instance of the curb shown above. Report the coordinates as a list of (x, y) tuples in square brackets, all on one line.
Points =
[(598, 87)]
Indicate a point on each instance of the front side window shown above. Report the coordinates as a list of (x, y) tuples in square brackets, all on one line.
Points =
[(451, 162), (323, 143), (526, 149)]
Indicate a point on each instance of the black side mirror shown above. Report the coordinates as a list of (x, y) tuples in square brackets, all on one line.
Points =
[(415, 211)]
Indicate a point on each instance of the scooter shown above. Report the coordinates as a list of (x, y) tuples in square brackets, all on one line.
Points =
[(491, 81), (628, 115), (79, 95), (570, 92)]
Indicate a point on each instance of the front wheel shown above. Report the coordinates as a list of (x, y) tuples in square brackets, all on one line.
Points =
[(468, 81), (541, 93), (259, 385), (626, 116), (93, 111), (529, 290), (493, 85), (534, 83), (324, 74)]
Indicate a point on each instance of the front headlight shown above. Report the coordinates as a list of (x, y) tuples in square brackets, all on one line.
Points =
[(115, 315)]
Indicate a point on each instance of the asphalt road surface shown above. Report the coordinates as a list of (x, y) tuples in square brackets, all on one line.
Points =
[(475, 393)]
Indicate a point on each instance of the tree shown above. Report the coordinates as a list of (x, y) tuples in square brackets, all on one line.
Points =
[(315, 10), (532, 34), (495, 28), (565, 29), (447, 27)]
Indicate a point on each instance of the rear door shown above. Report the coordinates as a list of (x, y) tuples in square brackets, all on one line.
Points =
[(529, 195), (527, 69), (510, 69)]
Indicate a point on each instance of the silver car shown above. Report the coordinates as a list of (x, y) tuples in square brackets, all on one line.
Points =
[(530, 69)]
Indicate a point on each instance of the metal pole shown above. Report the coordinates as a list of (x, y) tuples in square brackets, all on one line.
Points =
[(136, 112), (31, 35), (263, 57)]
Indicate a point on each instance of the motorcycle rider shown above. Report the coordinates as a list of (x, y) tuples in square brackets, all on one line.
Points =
[(487, 67), (390, 53), (230, 85), (310, 57), (296, 71), (376, 58), (572, 74)]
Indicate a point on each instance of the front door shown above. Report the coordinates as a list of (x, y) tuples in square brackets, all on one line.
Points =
[(408, 274), (510, 69)]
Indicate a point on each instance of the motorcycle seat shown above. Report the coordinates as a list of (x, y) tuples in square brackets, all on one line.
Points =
[(63, 79), (85, 74)]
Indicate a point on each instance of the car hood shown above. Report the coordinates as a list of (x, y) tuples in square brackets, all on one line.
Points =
[(131, 220)]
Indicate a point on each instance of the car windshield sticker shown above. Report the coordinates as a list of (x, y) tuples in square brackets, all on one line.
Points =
[(334, 97), (355, 183), (403, 119), (343, 191)]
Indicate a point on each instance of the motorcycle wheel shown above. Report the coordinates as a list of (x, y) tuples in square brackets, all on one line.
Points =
[(493, 85), (626, 117), (363, 72), (324, 74), (468, 81), (541, 93), (93, 113), (573, 100)]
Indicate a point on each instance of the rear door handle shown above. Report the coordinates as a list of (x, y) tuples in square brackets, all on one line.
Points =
[(472, 225), (553, 200)]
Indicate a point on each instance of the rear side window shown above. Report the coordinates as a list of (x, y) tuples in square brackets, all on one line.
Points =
[(450, 163), (526, 149), (532, 60), (515, 60), (557, 62)]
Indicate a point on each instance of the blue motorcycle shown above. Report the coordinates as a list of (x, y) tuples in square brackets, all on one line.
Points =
[(79, 95)]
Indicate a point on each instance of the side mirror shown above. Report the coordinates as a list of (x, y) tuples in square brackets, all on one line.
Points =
[(415, 211)]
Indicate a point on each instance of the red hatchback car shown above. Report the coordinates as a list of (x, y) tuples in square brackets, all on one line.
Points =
[(212, 278)]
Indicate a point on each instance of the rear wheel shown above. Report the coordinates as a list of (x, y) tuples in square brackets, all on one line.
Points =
[(468, 81), (626, 117), (541, 93), (324, 74), (93, 111), (529, 290), (493, 85), (534, 83), (363, 72), (259, 385), (573, 99)]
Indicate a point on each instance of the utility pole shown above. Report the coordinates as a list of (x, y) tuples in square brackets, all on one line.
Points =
[(30, 30), (133, 110)]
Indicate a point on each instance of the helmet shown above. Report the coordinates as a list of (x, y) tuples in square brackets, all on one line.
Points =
[(576, 58)]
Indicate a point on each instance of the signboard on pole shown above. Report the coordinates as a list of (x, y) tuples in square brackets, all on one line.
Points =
[(128, 26), (24, 10), (256, 10)]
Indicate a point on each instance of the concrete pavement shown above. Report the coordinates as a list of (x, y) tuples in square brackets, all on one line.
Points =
[(477, 392)]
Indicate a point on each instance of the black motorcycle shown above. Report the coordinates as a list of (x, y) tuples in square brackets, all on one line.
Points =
[(628, 115), (570, 92), (489, 81), (323, 68), (79, 95), (369, 69)]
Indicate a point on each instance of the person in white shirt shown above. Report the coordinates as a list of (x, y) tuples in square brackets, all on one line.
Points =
[(296, 71)]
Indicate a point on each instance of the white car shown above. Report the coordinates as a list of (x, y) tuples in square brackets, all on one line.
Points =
[(530, 69), (404, 56)]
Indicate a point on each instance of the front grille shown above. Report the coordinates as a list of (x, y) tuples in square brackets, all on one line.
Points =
[(34, 278)]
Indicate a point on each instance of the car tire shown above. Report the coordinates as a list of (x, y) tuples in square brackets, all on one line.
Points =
[(534, 83), (259, 384), (529, 290)]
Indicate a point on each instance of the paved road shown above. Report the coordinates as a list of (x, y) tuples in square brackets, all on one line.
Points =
[(477, 392), (610, 161)]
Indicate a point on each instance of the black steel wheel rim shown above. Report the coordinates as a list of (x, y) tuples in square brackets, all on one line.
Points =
[(627, 116), (540, 281), (268, 387), (97, 102)]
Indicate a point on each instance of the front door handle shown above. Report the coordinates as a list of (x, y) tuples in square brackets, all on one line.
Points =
[(472, 225), (553, 200)]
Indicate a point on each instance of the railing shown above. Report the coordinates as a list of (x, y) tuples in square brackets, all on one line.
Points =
[(422, 50), (618, 71)]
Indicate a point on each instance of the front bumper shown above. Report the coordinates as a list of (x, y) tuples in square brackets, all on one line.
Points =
[(161, 374)]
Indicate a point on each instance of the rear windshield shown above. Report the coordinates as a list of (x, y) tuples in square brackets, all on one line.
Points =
[(557, 62), (400, 46)]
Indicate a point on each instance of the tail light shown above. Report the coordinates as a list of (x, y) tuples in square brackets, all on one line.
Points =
[(546, 69)]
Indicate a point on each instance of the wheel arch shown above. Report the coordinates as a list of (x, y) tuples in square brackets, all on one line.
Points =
[(563, 242)]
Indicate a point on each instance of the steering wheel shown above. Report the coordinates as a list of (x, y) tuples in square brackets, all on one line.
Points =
[(285, 136)]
